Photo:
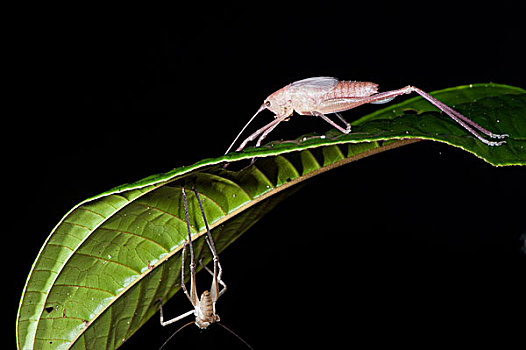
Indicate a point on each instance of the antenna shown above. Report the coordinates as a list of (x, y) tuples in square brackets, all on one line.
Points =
[(251, 119), (174, 333)]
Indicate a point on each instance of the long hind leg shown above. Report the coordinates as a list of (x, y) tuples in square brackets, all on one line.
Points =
[(218, 270)]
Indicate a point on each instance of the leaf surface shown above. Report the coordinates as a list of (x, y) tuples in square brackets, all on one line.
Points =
[(105, 265)]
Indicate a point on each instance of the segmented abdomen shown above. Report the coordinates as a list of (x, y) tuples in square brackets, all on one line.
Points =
[(352, 89)]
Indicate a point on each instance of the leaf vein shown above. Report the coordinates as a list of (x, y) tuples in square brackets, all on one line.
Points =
[(136, 235), (109, 260), (85, 287)]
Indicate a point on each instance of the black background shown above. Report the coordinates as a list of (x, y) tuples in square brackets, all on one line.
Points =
[(414, 247)]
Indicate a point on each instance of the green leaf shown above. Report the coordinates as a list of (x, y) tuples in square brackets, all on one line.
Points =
[(105, 265)]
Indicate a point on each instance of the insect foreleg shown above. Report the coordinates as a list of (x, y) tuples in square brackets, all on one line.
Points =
[(264, 134), (252, 137)]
